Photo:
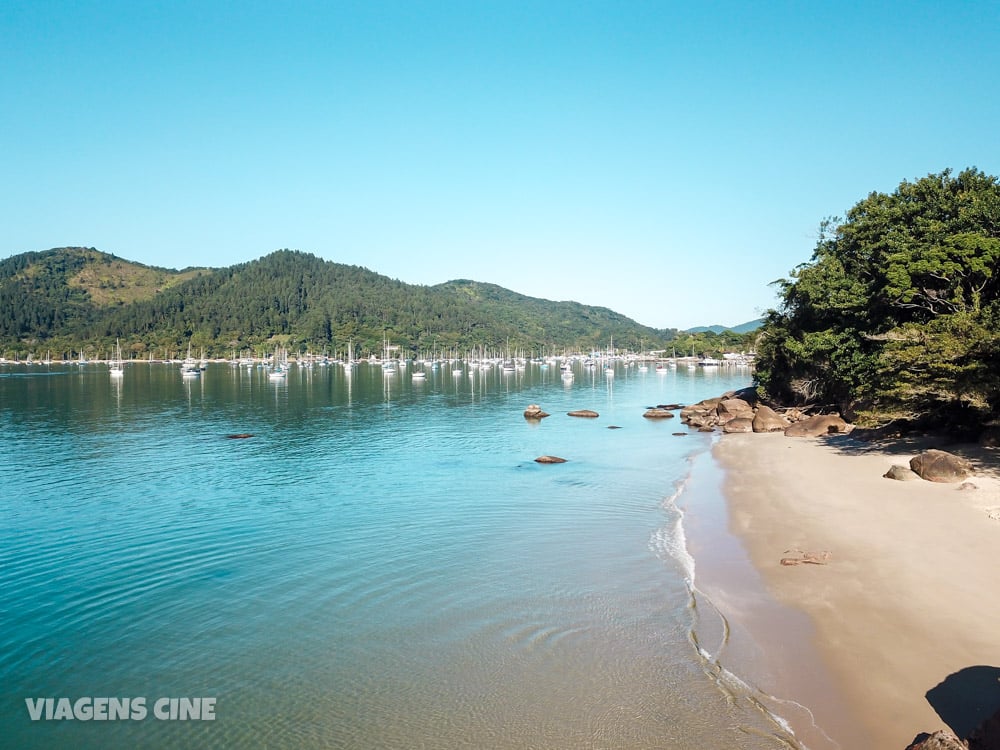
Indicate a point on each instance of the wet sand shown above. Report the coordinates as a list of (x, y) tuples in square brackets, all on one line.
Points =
[(909, 597)]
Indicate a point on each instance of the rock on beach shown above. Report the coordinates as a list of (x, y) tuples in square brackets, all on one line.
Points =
[(941, 466)]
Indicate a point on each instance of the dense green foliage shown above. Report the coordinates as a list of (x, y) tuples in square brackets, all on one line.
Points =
[(896, 315), (74, 299)]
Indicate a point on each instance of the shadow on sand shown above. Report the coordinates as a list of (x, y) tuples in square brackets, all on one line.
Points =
[(967, 698), (985, 461)]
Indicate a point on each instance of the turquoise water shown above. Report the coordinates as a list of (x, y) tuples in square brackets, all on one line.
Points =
[(382, 565)]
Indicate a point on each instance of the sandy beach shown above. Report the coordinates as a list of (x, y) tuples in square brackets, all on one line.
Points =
[(904, 611)]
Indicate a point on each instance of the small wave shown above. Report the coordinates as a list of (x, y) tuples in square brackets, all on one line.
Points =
[(670, 543)]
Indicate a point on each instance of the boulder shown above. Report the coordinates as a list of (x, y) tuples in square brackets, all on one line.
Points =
[(821, 424), (700, 415), (550, 460), (902, 473), (941, 466), (766, 419), (583, 413), (672, 407), (748, 394), (734, 407), (738, 424), (658, 413), (940, 740), (534, 411)]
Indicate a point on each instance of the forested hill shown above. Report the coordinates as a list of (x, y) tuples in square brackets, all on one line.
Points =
[(69, 299)]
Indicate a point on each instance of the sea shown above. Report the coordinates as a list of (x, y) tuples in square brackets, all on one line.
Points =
[(349, 557)]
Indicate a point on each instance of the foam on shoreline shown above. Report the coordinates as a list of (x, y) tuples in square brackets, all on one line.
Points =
[(757, 649)]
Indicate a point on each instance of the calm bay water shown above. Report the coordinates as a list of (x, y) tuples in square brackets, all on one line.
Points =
[(382, 565)]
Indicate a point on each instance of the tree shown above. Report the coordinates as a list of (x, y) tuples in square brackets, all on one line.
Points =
[(894, 316)]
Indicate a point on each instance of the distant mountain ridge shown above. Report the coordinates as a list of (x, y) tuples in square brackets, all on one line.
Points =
[(747, 327)]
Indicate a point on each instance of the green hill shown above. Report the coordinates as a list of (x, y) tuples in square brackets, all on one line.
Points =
[(747, 327), (68, 300)]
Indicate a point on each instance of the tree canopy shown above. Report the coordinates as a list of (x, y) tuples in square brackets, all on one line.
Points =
[(895, 317)]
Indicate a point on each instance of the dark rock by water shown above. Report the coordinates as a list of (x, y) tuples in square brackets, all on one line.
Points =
[(534, 411)]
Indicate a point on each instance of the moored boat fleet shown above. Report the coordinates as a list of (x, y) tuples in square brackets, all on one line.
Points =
[(393, 362)]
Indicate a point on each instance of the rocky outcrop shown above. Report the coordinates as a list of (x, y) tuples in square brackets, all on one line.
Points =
[(741, 411), (986, 736), (583, 413), (534, 411), (941, 466), (550, 460), (940, 740)]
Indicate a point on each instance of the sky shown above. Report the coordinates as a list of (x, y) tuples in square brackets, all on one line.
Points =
[(667, 160)]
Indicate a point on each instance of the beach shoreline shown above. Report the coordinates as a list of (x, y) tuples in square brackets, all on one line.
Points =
[(905, 599)]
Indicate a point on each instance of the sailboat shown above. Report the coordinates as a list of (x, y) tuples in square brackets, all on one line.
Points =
[(280, 369), (190, 367), (117, 364)]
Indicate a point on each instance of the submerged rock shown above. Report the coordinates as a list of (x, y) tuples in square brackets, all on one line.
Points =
[(534, 411), (550, 460), (658, 413), (583, 413)]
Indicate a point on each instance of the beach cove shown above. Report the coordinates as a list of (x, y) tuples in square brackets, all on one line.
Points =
[(901, 614)]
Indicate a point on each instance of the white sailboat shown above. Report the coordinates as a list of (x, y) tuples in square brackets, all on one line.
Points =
[(280, 369), (117, 364), (190, 367)]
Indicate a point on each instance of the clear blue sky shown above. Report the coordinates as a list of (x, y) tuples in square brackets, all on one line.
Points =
[(664, 159)]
